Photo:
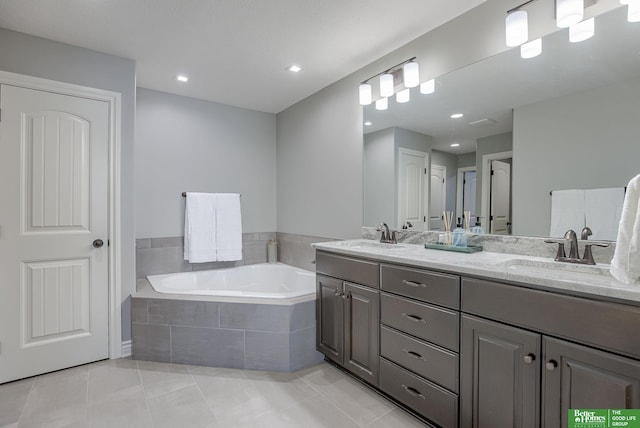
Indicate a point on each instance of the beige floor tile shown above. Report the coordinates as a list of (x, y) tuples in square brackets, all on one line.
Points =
[(183, 408), (280, 390), (61, 374), (316, 412), (162, 378), (111, 378), (358, 401), (13, 398), (397, 418), (126, 410)]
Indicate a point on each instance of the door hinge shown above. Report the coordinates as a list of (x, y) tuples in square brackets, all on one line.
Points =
[(108, 242), (491, 217), (491, 172), (425, 170), (424, 218), (443, 181)]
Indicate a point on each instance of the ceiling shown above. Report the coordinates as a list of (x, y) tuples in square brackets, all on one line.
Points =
[(235, 51), (492, 88)]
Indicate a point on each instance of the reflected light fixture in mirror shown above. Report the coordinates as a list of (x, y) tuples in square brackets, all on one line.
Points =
[(382, 103), (633, 11), (403, 96), (516, 28), (365, 94), (582, 30), (569, 12), (531, 49), (411, 74), (428, 87), (386, 85)]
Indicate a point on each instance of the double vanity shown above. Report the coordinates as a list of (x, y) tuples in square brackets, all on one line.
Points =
[(479, 340)]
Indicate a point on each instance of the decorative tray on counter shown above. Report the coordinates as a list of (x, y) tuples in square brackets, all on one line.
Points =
[(468, 249)]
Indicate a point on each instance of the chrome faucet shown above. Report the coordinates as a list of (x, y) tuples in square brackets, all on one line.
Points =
[(574, 253), (387, 237)]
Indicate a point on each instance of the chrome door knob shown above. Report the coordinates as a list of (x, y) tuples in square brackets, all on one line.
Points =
[(98, 243)]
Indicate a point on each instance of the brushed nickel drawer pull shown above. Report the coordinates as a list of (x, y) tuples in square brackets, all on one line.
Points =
[(414, 284), (413, 318), (414, 355), (413, 391)]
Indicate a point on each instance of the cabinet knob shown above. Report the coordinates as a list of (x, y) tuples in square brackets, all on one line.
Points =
[(345, 296), (551, 365), (337, 294), (528, 359)]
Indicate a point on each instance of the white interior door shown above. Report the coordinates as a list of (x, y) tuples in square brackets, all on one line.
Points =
[(412, 177), (54, 186), (500, 197), (437, 196), (469, 194)]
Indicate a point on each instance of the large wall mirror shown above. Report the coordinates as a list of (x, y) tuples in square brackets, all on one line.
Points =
[(566, 119)]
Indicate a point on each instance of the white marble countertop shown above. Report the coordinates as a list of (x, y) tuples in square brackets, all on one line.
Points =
[(538, 272)]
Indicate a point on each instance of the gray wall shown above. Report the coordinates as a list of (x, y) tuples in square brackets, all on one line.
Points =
[(585, 140), (485, 146), (184, 144), (33, 56), (379, 177), (450, 161), (467, 159)]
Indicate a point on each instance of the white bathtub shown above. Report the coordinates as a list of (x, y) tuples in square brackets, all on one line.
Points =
[(263, 281)]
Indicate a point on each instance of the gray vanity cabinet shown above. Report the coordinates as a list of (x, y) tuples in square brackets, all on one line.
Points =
[(347, 313), (578, 377), (500, 375)]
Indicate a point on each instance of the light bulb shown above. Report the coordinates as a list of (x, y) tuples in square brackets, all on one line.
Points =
[(386, 85), (531, 49), (382, 103), (428, 87), (516, 28), (403, 96), (411, 74), (569, 12), (582, 30), (365, 94)]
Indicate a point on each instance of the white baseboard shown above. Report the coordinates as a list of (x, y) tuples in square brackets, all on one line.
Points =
[(126, 348)]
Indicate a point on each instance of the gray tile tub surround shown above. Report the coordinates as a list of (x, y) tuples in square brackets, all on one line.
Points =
[(507, 244), (156, 256), (220, 334), (296, 250)]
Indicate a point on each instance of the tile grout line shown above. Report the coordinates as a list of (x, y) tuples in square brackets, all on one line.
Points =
[(144, 394), (195, 382), (26, 401)]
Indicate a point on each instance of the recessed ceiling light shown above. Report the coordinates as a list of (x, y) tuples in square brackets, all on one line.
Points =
[(455, 145), (367, 123), (182, 78), (294, 68), (456, 115)]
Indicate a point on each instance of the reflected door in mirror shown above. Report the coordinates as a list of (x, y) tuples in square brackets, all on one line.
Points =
[(500, 197), (412, 185), (437, 204)]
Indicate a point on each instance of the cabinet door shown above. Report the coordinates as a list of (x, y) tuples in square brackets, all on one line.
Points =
[(361, 340), (330, 313), (578, 377), (500, 375)]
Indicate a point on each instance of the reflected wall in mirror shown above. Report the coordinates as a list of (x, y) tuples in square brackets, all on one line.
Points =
[(567, 119)]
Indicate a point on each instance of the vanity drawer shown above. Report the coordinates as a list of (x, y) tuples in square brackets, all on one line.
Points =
[(432, 323), (349, 269), (604, 325), (426, 398), (434, 363), (432, 287)]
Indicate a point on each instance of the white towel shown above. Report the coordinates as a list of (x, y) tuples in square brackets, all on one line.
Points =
[(567, 211), (200, 228), (228, 227), (603, 208), (625, 266)]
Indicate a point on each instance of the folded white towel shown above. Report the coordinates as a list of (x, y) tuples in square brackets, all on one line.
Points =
[(625, 266), (603, 209), (567, 211), (228, 227), (200, 228)]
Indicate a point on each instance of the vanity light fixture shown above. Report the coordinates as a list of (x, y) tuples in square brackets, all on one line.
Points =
[(403, 96), (457, 115), (182, 78), (411, 74), (531, 49), (569, 12), (516, 27), (365, 94), (428, 87), (382, 103), (386, 85), (624, 1), (582, 30), (633, 11), (294, 68)]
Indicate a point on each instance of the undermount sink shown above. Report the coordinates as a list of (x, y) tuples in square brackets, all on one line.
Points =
[(367, 244), (558, 269)]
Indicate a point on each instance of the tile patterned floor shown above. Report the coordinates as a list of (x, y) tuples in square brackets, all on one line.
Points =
[(128, 393)]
